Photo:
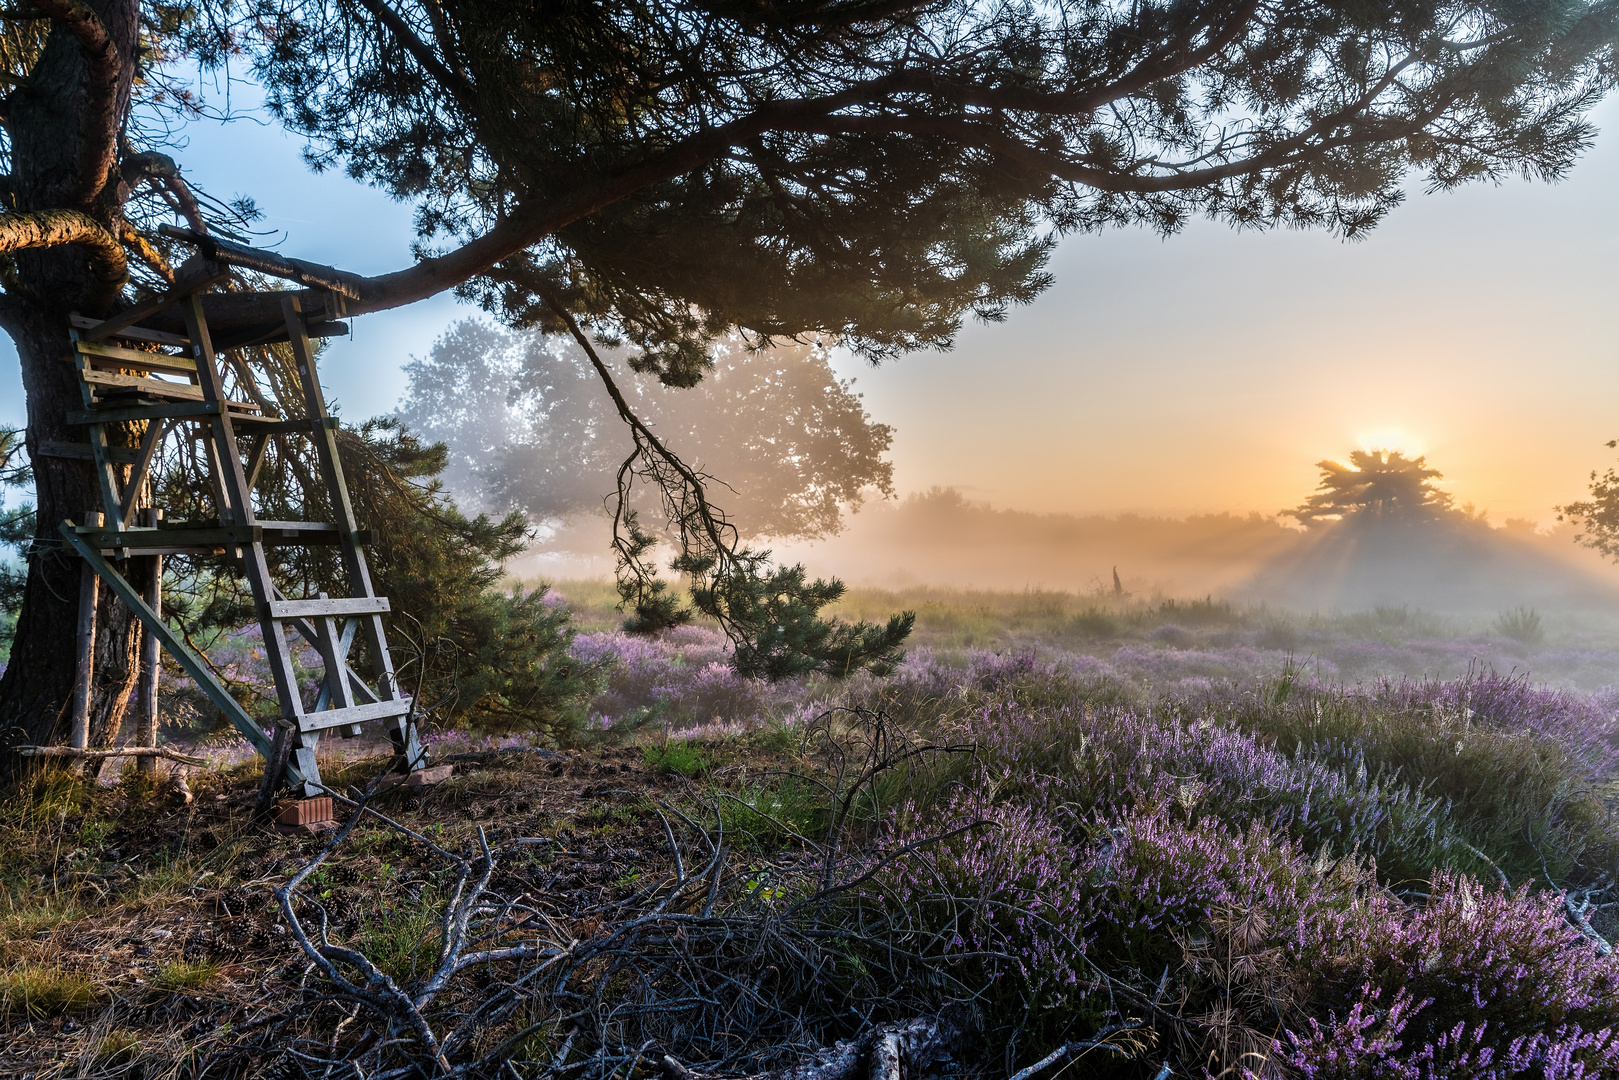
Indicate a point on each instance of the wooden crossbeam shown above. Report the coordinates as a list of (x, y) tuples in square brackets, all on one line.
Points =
[(355, 715), (179, 410), (334, 606), (129, 333)]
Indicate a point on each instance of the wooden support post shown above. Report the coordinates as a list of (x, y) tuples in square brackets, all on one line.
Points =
[(146, 725), (84, 671)]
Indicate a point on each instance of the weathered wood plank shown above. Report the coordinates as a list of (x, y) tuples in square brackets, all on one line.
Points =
[(356, 714), (116, 354), (337, 605), (85, 452), (180, 410), (170, 536), (149, 387)]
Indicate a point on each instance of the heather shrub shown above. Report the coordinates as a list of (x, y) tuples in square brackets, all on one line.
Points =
[(680, 678), (1517, 765), (1070, 918), (1090, 761), (1480, 983)]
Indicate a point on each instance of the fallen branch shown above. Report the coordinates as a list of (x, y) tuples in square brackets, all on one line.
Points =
[(1068, 1050), (887, 1052), (115, 751)]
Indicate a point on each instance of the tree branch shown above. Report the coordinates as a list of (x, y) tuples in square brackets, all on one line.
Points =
[(104, 69), (454, 84), (56, 228)]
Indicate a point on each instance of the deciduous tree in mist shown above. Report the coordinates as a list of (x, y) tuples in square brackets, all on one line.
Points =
[(527, 426), (1376, 484), (665, 175), (1597, 518)]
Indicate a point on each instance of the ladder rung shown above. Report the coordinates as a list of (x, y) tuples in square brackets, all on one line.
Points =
[(131, 333), (97, 353), (170, 536), (337, 605), (149, 387), (180, 410), (354, 714)]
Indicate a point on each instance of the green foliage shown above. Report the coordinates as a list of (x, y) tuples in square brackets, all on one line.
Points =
[(1375, 484), (773, 617), (183, 975), (403, 938), (1598, 516), (677, 757), (732, 183), (775, 814), (40, 990)]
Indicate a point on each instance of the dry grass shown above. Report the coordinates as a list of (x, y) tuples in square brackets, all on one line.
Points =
[(139, 933)]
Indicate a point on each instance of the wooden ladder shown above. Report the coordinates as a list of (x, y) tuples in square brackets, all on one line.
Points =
[(186, 386)]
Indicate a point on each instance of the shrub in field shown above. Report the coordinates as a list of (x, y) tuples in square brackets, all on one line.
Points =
[(1265, 952), (1477, 983), (1521, 624), (1518, 765), (680, 678), (1078, 761)]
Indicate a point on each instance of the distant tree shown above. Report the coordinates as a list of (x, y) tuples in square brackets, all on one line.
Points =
[(527, 425), (1597, 518), (1375, 484)]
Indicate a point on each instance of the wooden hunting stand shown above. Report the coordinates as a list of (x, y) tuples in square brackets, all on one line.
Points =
[(179, 380)]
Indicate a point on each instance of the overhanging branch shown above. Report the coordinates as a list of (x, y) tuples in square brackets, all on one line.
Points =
[(58, 228)]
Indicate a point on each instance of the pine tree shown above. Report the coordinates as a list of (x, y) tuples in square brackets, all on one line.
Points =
[(662, 176)]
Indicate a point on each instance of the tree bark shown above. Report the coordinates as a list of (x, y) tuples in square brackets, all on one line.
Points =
[(53, 120)]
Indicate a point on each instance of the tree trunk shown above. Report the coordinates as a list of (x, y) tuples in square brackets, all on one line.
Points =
[(49, 122)]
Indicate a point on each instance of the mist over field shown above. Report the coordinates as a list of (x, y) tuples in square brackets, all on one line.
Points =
[(1465, 565)]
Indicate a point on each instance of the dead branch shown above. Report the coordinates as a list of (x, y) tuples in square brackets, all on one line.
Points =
[(914, 1047), (113, 752)]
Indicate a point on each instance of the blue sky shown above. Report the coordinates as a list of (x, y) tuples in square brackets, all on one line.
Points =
[(1205, 371)]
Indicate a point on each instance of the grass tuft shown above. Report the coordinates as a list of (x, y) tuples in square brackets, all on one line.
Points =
[(182, 975), (40, 990)]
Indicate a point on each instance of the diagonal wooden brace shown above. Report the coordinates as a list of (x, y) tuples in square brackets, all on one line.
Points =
[(177, 648)]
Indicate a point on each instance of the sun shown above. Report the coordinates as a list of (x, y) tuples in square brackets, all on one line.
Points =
[(1390, 438)]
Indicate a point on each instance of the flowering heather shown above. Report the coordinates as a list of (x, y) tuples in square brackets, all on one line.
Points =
[(682, 677), (1242, 928), (1107, 760)]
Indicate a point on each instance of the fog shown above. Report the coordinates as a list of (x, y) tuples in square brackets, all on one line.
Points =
[(1460, 564)]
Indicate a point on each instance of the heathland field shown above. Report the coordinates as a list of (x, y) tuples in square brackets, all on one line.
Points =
[(1141, 835)]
